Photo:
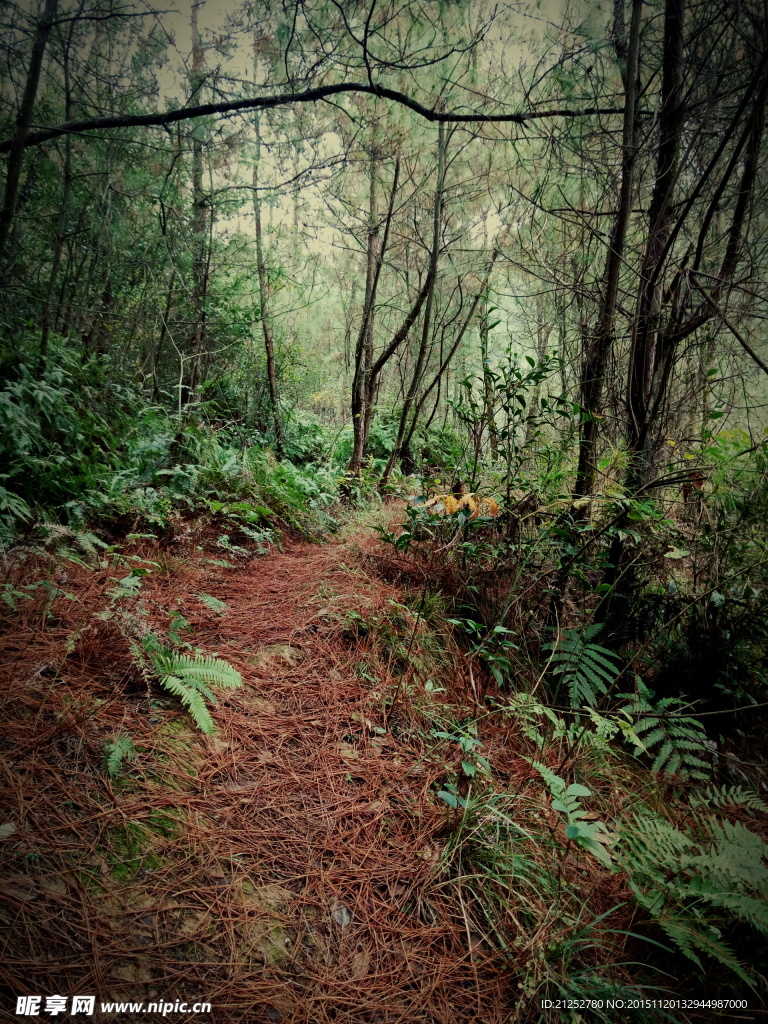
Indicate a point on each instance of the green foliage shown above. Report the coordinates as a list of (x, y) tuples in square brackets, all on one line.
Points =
[(585, 668), (213, 603), (692, 881), (61, 432), (725, 797), (85, 453), (116, 751), (178, 625), (307, 440), (566, 800), (521, 414), (189, 678), (472, 761), (674, 739), (493, 646)]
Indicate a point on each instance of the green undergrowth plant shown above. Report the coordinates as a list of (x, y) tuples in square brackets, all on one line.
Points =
[(662, 730), (516, 885), (116, 752), (698, 880), (494, 647), (137, 846), (584, 668), (566, 800), (81, 452), (688, 854), (188, 677)]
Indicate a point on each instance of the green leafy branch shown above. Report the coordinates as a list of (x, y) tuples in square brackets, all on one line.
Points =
[(566, 800)]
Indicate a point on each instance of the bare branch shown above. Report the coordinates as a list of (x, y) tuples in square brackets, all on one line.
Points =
[(308, 96)]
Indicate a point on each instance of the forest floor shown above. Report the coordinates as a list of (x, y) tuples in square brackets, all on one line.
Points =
[(282, 869)]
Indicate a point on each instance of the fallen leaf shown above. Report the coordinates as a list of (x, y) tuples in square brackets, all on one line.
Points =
[(361, 961), (55, 885), (341, 914)]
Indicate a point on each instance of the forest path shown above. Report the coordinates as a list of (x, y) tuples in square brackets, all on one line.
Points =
[(283, 869)]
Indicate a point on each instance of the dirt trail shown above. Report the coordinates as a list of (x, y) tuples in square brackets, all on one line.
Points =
[(283, 869)]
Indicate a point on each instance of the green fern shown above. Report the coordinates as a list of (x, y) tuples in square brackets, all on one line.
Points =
[(116, 751), (728, 796), (678, 739), (213, 603), (585, 668), (691, 882), (191, 678)]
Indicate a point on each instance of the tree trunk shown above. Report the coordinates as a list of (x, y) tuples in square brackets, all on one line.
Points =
[(362, 399), (16, 152), (264, 299), (599, 346), (542, 337), (646, 357), (197, 342), (489, 396), (446, 360), (421, 357), (61, 221)]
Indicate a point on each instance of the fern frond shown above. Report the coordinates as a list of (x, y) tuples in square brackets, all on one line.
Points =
[(555, 784), (189, 678), (192, 700), (202, 667), (681, 879), (737, 854), (116, 751), (586, 669), (728, 796), (213, 603), (680, 738)]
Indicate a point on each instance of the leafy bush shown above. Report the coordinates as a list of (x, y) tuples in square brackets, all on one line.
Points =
[(62, 432)]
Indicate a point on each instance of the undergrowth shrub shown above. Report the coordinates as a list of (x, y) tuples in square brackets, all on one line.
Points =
[(82, 450), (583, 667), (62, 432)]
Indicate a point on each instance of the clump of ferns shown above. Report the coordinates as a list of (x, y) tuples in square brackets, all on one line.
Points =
[(585, 669), (700, 878)]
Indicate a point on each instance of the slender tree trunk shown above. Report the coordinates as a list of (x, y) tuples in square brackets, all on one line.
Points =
[(489, 396), (61, 221), (646, 357), (197, 343), (601, 343), (163, 335), (445, 361), (16, 153), (362, 399), (264, 300), (58, 246), (421, 357), (542, 337), (365, 384)]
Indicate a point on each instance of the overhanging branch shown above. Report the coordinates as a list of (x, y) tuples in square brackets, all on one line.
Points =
[(35, 138)]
